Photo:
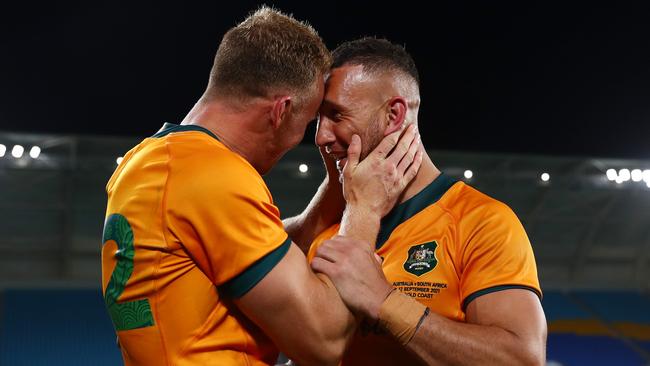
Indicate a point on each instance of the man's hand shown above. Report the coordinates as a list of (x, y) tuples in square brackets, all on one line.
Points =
[(324, 209), (355, 270), (372, 187), (377, 182)]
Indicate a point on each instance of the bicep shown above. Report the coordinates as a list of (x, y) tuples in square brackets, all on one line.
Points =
[(517, 311), (301, 312)]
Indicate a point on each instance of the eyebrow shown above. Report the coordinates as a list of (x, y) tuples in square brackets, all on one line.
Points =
[(331, 104)]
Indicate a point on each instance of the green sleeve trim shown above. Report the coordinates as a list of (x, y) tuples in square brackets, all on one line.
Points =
[(243, 282), (490, 290)]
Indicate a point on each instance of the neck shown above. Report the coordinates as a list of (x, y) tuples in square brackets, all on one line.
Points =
[(240, 130), (427, 174)]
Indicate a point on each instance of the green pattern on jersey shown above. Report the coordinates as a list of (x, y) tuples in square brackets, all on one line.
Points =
[(133, 314)]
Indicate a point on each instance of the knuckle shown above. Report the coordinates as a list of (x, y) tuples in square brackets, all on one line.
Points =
[(316, 264)]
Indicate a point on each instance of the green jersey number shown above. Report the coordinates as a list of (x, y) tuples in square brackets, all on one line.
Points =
[(127, 315)]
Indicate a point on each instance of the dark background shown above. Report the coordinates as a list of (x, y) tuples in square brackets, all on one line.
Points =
[(517, 77)]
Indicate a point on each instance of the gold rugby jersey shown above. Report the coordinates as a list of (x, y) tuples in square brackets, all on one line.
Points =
[(189, 226), (445, 246)]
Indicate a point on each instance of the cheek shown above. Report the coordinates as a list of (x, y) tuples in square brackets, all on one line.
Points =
[(372, 138), (344, 131)]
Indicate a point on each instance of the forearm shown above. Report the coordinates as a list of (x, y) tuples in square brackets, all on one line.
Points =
[(332, 313), (323, 210), (359, 223), (325, 331), (440, 341), (300, 311)]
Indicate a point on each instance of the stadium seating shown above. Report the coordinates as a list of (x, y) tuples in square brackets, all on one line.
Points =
[(71, 327)]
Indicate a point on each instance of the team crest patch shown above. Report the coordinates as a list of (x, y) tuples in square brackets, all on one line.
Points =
[(421, 258)]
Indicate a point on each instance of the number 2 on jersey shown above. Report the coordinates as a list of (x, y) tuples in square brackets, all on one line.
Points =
[(127, 315)]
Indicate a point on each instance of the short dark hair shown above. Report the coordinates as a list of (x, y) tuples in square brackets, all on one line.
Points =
[(375, 54), (268, 50)]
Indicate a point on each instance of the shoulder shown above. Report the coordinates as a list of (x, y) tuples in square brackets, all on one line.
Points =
[(196, 150), (469, 204), (201, 164)]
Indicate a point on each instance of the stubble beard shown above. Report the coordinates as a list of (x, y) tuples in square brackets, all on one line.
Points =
[(370, 138)]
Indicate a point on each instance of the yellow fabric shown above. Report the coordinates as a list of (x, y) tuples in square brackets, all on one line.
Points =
[(480, 244), (200, 215)]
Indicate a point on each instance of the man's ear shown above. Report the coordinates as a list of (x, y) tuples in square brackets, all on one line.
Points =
[(396, 114), (280, 110)]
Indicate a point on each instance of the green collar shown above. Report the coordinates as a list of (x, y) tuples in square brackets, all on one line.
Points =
[(168, 128), (426, 197)]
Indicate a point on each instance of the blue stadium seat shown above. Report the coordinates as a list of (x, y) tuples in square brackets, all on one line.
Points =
[(56, 327), (591, 314), (72, 328)]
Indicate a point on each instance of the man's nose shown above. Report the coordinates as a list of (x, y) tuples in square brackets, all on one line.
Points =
[(324, 133)]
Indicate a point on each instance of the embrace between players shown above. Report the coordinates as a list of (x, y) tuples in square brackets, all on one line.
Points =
[(392, 262)]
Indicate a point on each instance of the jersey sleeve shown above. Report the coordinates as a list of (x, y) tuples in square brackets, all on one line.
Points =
[(223, 215), (496, 255)]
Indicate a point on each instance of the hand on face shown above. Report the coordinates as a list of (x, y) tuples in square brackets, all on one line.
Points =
[(355, 271), (377, 182)]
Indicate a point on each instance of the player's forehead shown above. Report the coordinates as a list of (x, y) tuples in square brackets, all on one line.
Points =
[(349, 84), (346, 80)]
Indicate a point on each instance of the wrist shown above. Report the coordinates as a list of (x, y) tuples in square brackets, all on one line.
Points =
[(360, 223), (401, 315), (359, 211), (374, 310)]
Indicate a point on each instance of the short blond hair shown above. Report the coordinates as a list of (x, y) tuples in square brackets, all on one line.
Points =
[(269, 50)]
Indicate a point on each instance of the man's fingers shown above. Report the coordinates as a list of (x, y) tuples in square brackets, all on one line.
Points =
[(327, 252), (402, 148), (321, 265), (412, 170), (354, 153), (386, 145), (407, 160)]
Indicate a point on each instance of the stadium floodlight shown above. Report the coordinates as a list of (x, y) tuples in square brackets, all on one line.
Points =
[(611, 175), (119, 160), (646, 176), (637, 175), (647, 183), (3, 150), (545, 177), (17, 151), (624, 175), (303, 168), (35, 152), (468, 174)]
